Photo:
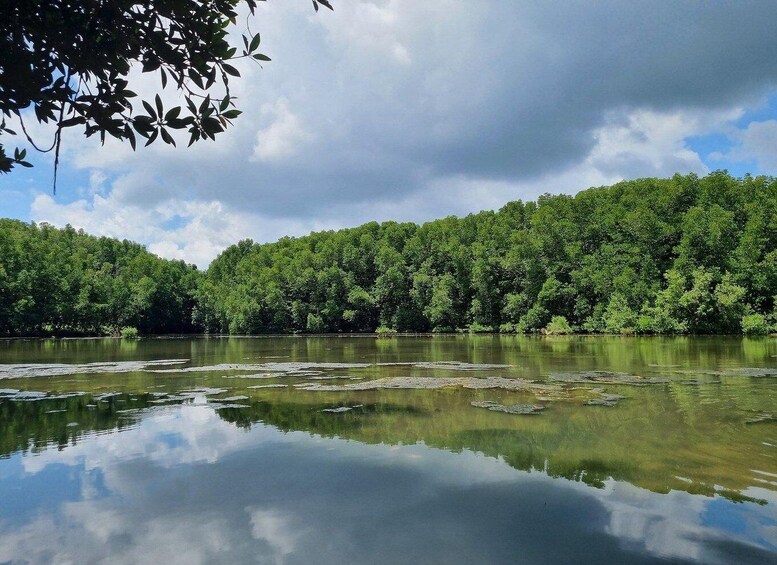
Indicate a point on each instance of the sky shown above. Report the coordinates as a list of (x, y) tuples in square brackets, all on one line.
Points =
[(412, 111)]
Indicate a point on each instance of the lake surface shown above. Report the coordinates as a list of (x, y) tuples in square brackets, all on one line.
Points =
[(445, 449)]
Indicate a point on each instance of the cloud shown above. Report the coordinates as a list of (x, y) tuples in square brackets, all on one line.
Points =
[(283, 137), (200, 229), (415, 110), (643, 143), (755, 143)]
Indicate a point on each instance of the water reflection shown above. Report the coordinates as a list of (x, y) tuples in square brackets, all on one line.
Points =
[(221, 450), (183, 485)]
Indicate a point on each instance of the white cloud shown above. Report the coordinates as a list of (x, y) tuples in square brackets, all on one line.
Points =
[(415, 110), (285, 135), (201, 229), (757, 142), (628, 145), (275, 529)]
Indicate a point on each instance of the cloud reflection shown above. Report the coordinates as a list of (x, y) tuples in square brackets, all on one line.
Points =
[(185, 486)]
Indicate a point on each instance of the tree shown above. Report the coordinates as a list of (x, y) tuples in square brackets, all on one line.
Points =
[(69, 61)]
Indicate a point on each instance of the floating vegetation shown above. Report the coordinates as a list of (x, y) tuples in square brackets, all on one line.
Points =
[(342, 409), (253, 376), (449, 365), (204, 391), (214, 368), (12, 371), (230, 398), (275, 385), (290, 368), (509, 409), (23, 395), (172, 399), (437, 382), (605, 400), (755, 372), (606, 377)]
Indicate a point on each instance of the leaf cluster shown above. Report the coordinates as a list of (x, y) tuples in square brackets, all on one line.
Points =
[(68, 61)]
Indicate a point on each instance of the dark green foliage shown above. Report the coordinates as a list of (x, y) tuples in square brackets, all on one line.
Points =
[(680, 255), (70, 61), (64, 282)]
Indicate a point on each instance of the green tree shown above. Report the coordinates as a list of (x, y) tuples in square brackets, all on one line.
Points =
[(627, 257)]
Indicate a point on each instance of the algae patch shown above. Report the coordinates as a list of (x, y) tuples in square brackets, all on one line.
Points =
[(524, 409)]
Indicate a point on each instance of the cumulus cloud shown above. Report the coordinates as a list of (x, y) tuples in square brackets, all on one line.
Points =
[(756, 143), (413, 110), (191, 230), (283, 137)]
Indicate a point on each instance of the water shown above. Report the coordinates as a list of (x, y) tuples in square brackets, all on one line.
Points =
[(447, 449)]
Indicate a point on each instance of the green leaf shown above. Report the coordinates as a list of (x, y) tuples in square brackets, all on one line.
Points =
[(149, 109), (70, 122), (196, 78), (130, 135), (172, 113), (262, 57), (254, 43), (166, 137), (152, 138), (159, 108), (150, 65), (230, 70)]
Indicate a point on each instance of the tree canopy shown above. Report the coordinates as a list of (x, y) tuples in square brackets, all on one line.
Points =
[(680, 255), (70, 60), (64, 282)]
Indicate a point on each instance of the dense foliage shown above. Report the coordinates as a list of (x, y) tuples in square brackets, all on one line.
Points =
[(63, 282), (680, 255)]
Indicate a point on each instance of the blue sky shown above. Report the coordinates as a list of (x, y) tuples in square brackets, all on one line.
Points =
[(399, 110)]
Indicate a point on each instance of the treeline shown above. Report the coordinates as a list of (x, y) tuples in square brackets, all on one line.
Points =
[(679, 255), (64, 282)]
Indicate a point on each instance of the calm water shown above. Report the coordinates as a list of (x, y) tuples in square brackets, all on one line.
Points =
[(449, 449)]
